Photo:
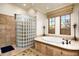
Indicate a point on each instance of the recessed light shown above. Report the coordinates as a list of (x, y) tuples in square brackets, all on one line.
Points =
[(24, 4), (47, 8)]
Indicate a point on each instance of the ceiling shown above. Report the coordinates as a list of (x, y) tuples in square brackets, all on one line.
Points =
[(42, 7)]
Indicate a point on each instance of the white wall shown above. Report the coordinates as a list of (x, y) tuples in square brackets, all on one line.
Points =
[(74, 20), (31, 12), (10, 9), (41, 21)]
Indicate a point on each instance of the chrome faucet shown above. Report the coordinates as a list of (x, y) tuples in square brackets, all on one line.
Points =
[(68, 42)]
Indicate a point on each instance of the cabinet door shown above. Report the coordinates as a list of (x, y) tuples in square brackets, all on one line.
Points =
[(57, 51), (43, 49), (69, 53), (37, 46), (40, 47), (49, 50)]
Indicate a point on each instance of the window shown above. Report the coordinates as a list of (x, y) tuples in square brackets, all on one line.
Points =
[(65, 25), (51, 25)]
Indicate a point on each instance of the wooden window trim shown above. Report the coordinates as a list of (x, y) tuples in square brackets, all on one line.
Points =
[(60, 25), (70, 25), (49, 26)]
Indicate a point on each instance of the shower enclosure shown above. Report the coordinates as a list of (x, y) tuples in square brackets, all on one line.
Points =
[(25, 30)]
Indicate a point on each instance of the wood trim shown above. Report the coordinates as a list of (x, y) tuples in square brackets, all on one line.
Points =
[(60, 25), (70, 26), (49, 25)]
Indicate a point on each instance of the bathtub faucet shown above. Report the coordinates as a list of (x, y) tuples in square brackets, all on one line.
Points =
[(68, 42)]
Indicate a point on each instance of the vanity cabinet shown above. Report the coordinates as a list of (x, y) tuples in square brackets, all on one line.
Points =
[(43, 49), (47, 49), (56, 51), (40, 47), (51, 50), (69, 53)]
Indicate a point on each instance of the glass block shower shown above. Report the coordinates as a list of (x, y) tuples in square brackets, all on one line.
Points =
[(25, 30)]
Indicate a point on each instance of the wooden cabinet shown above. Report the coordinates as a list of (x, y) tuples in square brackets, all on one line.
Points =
[(57, 51), (47, 49), (51, 50), (43, 49), (69, 53), (40, 47), (37, 46)]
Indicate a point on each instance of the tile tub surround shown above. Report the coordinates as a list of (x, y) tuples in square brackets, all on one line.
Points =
[(51, 48), (73, 46), (7, 29)]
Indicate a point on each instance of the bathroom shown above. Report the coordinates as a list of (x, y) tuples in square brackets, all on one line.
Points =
[(27, 27)]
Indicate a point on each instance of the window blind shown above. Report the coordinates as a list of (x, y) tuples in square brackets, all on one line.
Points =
[(62, 11)]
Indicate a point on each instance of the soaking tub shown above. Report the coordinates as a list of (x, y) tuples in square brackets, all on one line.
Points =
[(60, 42), (56, 40), (56, 46)]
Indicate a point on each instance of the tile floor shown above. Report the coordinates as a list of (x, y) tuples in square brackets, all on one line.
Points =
[(29, 52), (22, 52)]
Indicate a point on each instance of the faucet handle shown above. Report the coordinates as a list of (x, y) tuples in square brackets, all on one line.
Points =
[(62, 42), (67, 42)]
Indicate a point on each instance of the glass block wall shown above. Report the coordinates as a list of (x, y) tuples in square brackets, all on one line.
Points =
[(25, 30)]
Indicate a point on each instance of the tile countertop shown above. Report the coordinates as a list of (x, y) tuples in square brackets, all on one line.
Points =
[(73, 46)]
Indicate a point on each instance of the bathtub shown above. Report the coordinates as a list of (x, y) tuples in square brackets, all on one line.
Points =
[(58, 41)]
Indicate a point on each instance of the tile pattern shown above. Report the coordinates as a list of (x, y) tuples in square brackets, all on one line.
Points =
[(25, 30), (29, 52), (7, 29)]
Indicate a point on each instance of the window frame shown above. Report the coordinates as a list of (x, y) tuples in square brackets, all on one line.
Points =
[(49, 25), (70, 25), (60, 25)]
